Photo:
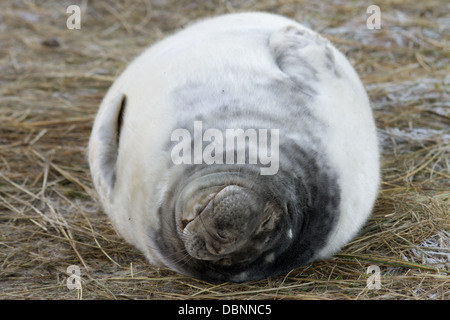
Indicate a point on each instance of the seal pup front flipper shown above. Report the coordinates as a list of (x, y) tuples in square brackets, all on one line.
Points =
[(303, 55), (104, 144)]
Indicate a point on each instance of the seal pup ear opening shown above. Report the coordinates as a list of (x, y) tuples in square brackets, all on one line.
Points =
[(104, 144)]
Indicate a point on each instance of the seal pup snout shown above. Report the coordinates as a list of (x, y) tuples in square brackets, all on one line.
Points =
[(224, 225)]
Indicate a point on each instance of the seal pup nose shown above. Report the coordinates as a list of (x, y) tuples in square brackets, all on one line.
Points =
[(223, 226)]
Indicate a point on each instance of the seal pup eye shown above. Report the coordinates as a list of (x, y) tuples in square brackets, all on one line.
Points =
[(271, 214), (265, 223)]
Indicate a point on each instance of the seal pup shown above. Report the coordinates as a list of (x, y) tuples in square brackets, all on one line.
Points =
[(224, 220)]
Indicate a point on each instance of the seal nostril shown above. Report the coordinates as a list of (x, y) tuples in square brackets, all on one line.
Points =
[(223, 237), (220, 237), (185, 222)]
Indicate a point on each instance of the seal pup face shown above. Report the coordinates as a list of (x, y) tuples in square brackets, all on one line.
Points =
[(227, 226)]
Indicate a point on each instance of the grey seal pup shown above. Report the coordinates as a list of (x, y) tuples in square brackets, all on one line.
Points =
[(239, 148)]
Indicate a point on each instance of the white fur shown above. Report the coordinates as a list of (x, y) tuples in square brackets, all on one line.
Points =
[(196, 53), (352, 149)]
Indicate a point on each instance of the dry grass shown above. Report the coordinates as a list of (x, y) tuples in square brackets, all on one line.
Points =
[(53, 79)]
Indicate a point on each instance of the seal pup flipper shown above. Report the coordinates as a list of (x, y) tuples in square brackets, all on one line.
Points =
[(304, 56), (104, 144)]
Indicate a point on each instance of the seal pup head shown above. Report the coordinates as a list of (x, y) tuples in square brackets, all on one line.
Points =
[(230, 224), (227, 226)]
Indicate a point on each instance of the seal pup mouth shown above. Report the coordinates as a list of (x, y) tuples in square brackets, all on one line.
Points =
[(213, 225)]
